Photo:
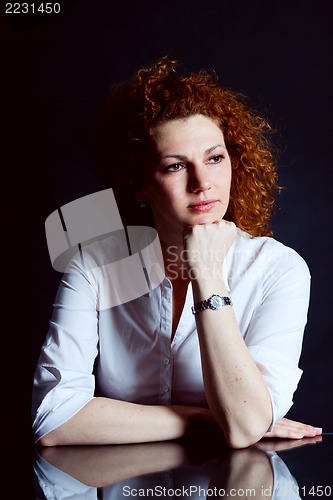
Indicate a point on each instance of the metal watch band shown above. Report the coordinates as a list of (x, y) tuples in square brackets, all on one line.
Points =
[(214, 302)]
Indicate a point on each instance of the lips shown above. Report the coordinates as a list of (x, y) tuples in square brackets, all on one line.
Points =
[(202, 206)]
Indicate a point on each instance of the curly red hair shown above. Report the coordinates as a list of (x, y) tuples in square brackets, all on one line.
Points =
[(157, 94)]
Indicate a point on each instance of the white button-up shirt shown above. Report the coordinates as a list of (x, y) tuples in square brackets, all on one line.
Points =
[(125, 352)]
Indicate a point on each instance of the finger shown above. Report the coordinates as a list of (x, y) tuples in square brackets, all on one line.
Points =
[(307, 430), (284, 432), (293, 432), (302, 428)]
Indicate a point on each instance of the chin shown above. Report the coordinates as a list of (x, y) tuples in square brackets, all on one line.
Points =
[(206, 219)]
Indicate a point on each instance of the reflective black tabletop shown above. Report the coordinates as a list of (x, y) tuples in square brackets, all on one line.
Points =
[(197, 469)]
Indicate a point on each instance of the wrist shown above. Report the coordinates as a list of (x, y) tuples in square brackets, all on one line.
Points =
[(214, 302), (202, 272), (202, 289)]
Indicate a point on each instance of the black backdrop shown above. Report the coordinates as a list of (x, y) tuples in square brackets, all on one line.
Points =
[(56, 70)]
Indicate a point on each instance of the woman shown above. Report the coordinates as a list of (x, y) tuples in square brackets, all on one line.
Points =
[(219, 339)]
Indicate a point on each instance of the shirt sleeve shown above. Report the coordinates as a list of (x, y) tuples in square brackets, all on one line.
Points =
[(64, 380), (275, 333)]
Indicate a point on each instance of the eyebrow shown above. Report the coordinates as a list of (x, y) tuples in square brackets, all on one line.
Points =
[(183, 158)]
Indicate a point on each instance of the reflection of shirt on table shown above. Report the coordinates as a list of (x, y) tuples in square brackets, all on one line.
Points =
[(52, 483), (124, 352)]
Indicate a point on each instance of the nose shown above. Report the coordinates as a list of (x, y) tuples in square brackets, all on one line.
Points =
[(199, 179)]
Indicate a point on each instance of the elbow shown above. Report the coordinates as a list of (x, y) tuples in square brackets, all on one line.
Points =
[(46, 441), (50, 439), (239, 440), (238, 437)]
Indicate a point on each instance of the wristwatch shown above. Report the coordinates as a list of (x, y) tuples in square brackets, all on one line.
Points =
[(214, 302)]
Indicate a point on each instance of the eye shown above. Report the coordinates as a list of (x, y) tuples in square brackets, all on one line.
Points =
[(175, 167), (216, 159)]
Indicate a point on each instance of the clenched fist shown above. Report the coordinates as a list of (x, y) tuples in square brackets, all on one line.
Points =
[(206, 246)]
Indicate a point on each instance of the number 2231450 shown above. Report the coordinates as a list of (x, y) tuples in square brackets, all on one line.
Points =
[(32, 8)]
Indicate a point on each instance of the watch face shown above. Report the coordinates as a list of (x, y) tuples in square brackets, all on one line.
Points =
[(216, 302)]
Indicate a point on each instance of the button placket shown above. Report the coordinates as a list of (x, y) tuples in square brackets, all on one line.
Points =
[(166, 371)]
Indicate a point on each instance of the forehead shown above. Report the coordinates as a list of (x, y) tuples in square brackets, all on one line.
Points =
[(192, 129)]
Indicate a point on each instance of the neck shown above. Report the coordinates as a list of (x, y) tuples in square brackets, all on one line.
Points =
[(174, 255), (175, 262)]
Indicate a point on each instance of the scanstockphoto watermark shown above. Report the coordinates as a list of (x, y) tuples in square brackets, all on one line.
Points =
[(188, 491), (205, 264), (87, 236), (247, 264)]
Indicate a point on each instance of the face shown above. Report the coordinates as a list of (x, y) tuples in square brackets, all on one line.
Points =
[(188, 175)]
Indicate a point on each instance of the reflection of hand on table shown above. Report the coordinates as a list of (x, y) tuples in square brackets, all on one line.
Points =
[(285, 444)]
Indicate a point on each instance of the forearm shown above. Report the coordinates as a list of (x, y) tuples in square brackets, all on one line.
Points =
[(109, 421), (235, 389)]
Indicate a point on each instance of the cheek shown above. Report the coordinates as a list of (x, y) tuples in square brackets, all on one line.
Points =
[(224, 181), (166, 188), (227, 178)]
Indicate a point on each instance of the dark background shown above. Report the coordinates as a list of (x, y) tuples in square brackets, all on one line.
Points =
[(56, 70)]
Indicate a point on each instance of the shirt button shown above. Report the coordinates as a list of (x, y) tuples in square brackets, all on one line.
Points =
[(166, 388), (166, 361)]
